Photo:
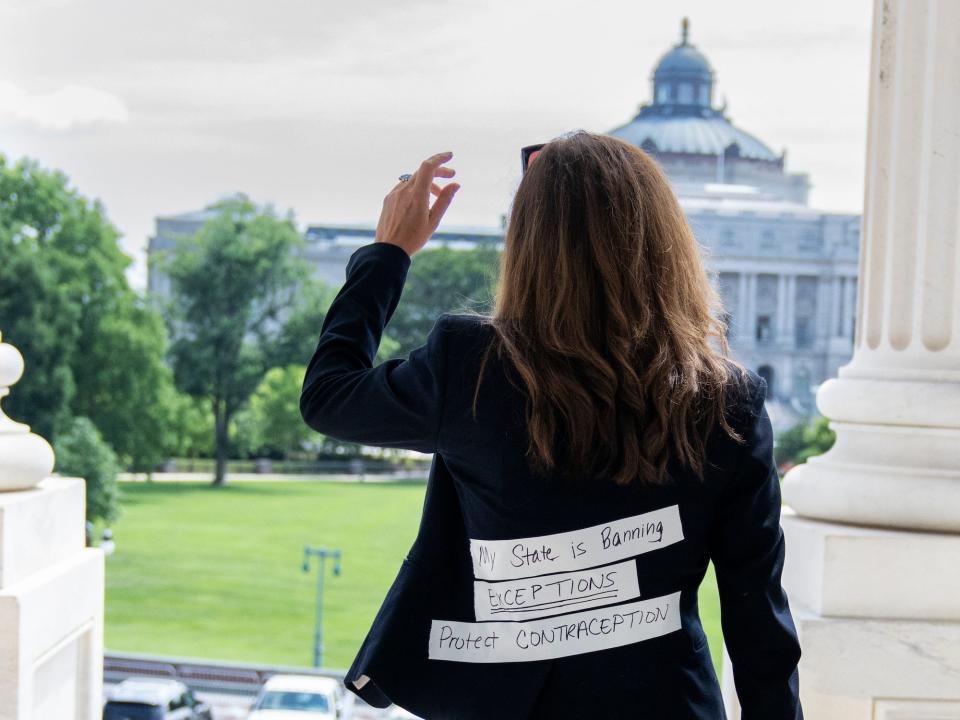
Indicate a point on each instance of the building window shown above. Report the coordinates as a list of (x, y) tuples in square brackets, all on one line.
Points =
[(811, 241), (803, 333), (685, 93), (663, 93), (764, 329), (704, 94)]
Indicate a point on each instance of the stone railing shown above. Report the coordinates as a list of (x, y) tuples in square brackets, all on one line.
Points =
[(51, 585)]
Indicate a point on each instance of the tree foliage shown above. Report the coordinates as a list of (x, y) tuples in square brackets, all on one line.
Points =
[(92, 347), (442, 280), (803, 441), (82, 452), (231, 283), (271, 423)]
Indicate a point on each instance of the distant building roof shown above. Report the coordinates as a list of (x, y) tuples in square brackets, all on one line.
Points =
[(684, 59), (692, 135), (681, 119), (366, 231)]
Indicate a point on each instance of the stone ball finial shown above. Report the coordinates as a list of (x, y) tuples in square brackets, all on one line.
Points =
[(11, 364), (25, 458)]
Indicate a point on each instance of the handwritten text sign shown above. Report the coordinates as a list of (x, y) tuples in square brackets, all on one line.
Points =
[(577, 549), (570, 634), (553, 594)]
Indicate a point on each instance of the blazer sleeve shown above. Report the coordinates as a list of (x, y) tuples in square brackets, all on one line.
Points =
[(396, 404), (748, 553)]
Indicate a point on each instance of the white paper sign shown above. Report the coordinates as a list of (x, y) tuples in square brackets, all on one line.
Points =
[(577, 549), (547, 595), (570, 634)]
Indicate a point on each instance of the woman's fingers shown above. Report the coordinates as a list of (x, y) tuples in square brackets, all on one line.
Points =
[(428, 170), (441, 204)]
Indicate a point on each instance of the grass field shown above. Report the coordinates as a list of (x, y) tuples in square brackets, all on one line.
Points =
[(216, 572)]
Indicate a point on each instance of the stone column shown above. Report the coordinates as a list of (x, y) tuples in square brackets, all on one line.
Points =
[(790, 337), (836, 306), (896, 404), (750, 317), (743, 308), (782, 328), (873, 528), (51, 584), (849, 315)]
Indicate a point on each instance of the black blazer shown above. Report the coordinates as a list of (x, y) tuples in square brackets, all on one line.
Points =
[(524, 599)]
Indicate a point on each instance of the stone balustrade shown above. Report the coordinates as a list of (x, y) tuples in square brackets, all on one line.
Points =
[(51, 585)]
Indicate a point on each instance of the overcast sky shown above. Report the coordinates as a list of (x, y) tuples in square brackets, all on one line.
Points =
[(162, 106)]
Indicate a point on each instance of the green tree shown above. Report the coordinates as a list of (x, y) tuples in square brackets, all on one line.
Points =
[(93, 348), (297, 339), (271, 422), (192, 426), (230, 282), (82, 452), (126, 385), (803, 441), (442, 280)]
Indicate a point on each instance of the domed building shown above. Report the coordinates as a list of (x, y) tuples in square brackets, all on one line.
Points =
[(787, 272), (698, 142)]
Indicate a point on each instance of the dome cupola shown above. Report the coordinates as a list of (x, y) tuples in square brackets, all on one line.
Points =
[(683, 79)]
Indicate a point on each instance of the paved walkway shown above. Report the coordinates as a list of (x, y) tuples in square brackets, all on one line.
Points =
[(275, 477)]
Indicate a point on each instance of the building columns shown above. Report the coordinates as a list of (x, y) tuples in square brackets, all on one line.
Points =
[(896, 405), (782, 328), (872, 534), (850, 303), (751, 325), (743, 331), (790, 304)]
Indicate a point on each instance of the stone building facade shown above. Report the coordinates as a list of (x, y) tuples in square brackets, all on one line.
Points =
[(787, 272)]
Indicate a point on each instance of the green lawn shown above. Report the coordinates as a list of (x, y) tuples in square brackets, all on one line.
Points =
[(216, 572)]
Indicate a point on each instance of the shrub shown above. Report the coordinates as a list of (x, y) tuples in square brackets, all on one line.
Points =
[(82, 452)]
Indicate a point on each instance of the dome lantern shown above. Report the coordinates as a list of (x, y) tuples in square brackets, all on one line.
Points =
[(683, 78)]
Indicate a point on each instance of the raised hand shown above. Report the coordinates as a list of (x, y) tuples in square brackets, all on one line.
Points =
[(408, 219)]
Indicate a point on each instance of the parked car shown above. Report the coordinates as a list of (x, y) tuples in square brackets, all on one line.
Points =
[(298, 697), (154, 699)]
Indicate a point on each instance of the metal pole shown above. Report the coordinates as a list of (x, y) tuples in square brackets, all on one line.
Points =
[(318, 631), (321, 554)]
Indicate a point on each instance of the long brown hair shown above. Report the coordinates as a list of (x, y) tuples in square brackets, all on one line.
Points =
[(606, 312)]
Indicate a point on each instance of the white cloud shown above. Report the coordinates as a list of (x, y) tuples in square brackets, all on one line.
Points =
[(62, 109)]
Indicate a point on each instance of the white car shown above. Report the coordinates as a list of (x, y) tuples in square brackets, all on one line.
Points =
[(297, 697), (147, 698)]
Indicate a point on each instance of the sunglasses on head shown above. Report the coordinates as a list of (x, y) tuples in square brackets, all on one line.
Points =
[(529, 154)]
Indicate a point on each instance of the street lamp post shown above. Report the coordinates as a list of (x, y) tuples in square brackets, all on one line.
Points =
[(321, 554)]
